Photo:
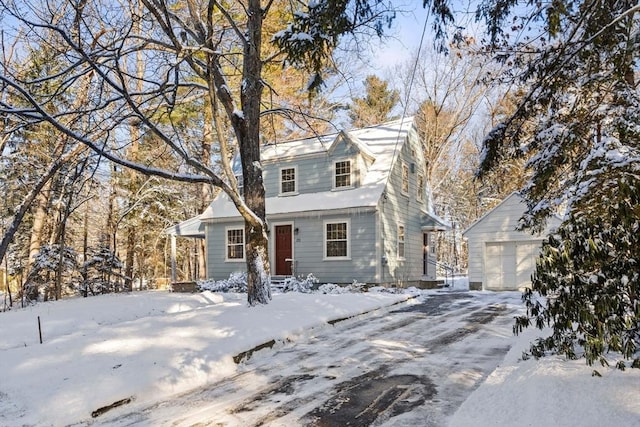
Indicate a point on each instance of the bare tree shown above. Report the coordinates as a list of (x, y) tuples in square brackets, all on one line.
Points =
[(207, 52), (447, 94)]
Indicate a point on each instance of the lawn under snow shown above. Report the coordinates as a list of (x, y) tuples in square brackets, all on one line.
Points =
[(151, 345)]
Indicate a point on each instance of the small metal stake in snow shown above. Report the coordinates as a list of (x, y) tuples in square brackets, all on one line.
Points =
[(39, 330)]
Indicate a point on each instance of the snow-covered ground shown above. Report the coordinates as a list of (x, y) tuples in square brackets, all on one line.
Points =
[(151, 345)]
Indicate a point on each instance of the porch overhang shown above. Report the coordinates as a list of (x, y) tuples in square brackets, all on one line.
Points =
[(193, 227), (430, 222)]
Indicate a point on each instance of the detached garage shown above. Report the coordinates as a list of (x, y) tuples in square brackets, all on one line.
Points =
[(501, 258)]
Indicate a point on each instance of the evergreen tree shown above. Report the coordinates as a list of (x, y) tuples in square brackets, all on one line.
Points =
[(377, 104), (101, 272), (579, 127), (51, 260), (207, 50), (589, 274)]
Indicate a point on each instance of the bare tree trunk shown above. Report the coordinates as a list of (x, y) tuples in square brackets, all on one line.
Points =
[(39, 219), (246, 126), (111, 225), (206, 195), (248, 131), (131, 246), (61, 260), (133, 155), (6, 280), (85, 249)]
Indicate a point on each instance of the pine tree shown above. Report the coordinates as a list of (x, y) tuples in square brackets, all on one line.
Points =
[(579, 127), (377, 104), (210, 51)]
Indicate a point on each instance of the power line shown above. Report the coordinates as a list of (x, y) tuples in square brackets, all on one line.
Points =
[(406, 103)]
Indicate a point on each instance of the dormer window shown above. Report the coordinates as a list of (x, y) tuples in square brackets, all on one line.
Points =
[(288, 181), (343, 174)]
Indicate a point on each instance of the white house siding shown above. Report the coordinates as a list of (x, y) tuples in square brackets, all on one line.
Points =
[(501, 258), (308, 248), (315, 172), (216, 247), (314, 175), (403, 209), (374, 206)]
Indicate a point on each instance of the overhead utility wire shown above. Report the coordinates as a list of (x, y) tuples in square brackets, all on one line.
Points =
[(406, 103)]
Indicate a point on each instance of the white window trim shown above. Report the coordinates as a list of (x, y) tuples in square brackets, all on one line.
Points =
[(226, 245), (324, 239), (404, 242), (351, 175), (433, 244), (420, 191), (240, 184), (295, 182), (404, 167)]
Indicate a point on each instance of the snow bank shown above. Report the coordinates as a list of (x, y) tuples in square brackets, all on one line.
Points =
[(146, 346), (551, 391)]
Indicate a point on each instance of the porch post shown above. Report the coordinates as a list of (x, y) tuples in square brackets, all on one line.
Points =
[(173, 258)]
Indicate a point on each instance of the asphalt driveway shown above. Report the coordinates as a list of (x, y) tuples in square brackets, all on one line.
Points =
[(410, 365)]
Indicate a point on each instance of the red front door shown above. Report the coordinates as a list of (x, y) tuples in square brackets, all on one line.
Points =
[(284, 253)]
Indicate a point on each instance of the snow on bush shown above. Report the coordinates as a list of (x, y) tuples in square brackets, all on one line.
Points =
[(332, 288), (300, 284), (237, 282)]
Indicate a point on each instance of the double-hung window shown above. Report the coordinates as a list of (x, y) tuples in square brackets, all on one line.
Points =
[(336, 239), (420, 194), (401, 236), (235, 244), (240, 181), (405, 178), (288, 180), (342, 174)]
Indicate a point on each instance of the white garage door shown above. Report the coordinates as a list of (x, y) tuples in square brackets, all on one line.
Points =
[(509, 265)]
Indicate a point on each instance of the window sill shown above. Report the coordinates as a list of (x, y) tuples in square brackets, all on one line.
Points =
[(351, 187), (295, 193), (335, 258), (235, 260)]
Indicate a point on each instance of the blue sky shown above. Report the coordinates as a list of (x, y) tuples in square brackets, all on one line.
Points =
[(404, 37)]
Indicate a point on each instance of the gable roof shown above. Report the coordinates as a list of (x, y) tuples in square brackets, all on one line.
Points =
[(432, 222), (380, 143), (192, 227), (552, 222), (353, 141), (491, 211)]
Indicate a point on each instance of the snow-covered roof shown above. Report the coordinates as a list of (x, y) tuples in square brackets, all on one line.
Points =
[(192, 227), (432, 222), (382, 143)]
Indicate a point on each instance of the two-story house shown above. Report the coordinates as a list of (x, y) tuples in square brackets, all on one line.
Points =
[(346, 206)]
